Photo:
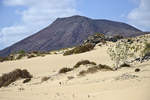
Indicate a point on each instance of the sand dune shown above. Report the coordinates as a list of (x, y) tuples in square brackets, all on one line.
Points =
[(124, 84)]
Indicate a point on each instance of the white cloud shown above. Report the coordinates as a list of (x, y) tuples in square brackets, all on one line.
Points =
[(140, 16), (37, 15)]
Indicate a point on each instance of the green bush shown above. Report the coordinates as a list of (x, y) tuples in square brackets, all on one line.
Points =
[(80, 49), (19, 56), (22, 52)]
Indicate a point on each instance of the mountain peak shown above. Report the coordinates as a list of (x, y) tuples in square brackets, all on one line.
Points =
[(77, 17), (70, 31)]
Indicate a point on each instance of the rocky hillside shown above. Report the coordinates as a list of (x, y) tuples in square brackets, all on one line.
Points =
[(70, 31)]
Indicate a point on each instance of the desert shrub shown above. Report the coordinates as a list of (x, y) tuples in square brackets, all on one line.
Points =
[(104, 67), (11, 77), (69, 52), (125, 65), (70, 77), (92, 63), (1, 59), (31, 56), (118, 37), (146, 50), (27, 80), (80, 49), (35, 52), (45, 78), (22, 52), (83, 73), (19, 56), (119, 53), (137, 70), (92, 69), (129, 40), (83, 62), (95, 69), (115, 38), (25, 74), (122, 50), (65, 70), (99, 35)]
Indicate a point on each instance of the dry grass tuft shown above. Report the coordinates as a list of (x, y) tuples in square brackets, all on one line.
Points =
[(95, 69), (83, 62), (137, 70), (45, 78), (65, 70), (104, 67), (11, 77), (27, 80), (125, 65), (80, 49), (70, 77)]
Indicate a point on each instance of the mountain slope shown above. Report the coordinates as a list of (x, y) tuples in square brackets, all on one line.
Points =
[(70, 31)]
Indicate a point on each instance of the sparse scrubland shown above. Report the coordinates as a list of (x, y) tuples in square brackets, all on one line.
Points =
[(22, 54), (77, 65), (80, 49), (127, 50), (121, 65), (95, 69)]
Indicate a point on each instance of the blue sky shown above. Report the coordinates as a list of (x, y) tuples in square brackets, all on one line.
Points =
[(21, 18)]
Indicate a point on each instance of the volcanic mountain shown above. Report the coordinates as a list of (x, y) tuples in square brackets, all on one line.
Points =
[(70, 31)]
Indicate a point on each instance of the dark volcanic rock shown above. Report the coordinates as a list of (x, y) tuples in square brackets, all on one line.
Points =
[(70, 31)]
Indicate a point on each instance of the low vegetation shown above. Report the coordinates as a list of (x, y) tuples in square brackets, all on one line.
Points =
[(45, 79), (77, 65), (125, 65), (83, 62), (146, 50), (119, 53), (70, 77), (20, 54), (94, 69), (65, 70), (11, 77), (1, 59), (104, 67), (80, 49), (27, 80), (125, 50), (137, 70)]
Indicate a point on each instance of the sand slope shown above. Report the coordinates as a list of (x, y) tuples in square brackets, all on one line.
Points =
[(124, 84)]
